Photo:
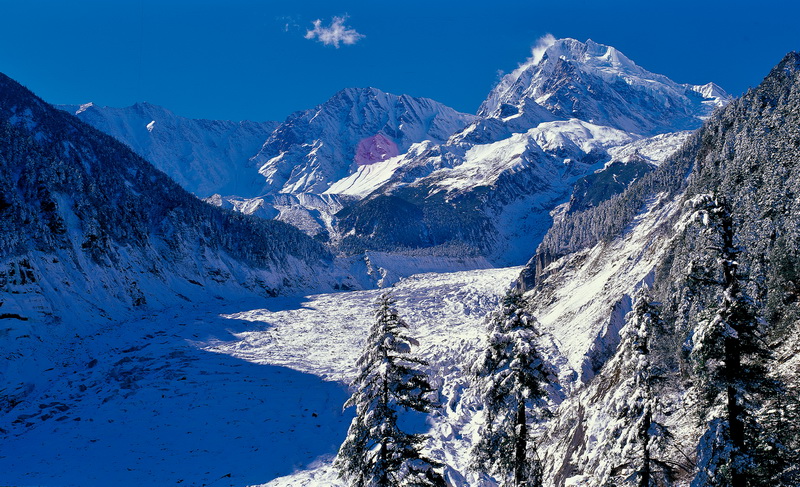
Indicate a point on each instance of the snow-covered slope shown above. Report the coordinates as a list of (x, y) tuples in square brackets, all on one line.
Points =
[(583, 298), (203, 156), (91, 233), (569, 142), (581, 293), (493, 198), (311, 213), (234, 392), (356, 127), (567, 78)]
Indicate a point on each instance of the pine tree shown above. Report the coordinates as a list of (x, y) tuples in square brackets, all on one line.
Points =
[(511, 378), (641, 406), (731, 359), (376, 452)]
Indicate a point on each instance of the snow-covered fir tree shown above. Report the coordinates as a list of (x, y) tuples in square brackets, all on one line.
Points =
[(511, 379), (639, 400), (732, 362), (376, 452)]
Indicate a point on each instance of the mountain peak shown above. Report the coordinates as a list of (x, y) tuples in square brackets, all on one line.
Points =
[(358, 92), (790, 62), (357, 126), (599, 84)]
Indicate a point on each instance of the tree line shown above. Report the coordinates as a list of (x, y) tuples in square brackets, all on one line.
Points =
[(747, 412)]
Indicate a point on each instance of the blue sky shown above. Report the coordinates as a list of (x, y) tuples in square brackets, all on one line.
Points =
[(246, 59)]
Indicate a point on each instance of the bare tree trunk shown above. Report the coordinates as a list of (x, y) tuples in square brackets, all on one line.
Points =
[(521, 447)]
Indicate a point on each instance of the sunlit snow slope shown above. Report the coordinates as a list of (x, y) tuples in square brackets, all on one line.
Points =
[(229, 393)]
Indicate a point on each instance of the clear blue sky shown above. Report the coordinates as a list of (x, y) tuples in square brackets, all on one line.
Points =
[(248, 59)]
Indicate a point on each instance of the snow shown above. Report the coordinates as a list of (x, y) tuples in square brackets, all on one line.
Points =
[(315, 148), (712, 91), (228, 392), (249, 391), (83, 108), (558, 69), (334, 325), (367, 178), (652, 149), (582, 291), (483, 164), (203, 156), (145, 405)]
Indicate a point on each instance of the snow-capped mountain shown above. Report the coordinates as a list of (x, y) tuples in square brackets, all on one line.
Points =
[(89, 227), (491, 187), (357, 127), (466, 182), (203, 156), (489, 199), (566, 78), (492, 199)]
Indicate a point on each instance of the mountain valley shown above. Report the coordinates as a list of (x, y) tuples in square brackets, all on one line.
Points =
[(188, 302)]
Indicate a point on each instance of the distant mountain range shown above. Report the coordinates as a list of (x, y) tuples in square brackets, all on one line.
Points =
[(368, 170)]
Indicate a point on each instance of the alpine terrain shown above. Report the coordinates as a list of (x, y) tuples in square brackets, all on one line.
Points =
[(592, 281)]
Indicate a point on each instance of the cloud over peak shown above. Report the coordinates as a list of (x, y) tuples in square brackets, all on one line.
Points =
[(334, 34)]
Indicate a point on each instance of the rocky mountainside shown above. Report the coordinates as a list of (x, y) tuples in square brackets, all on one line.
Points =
[(567, 78), (491, 188), (202, 156), (356, 127), (588, 269), (89, 227)]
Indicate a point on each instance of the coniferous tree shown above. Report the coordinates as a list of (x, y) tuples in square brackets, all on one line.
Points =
[(731, 361), (376, 452), (640, 394), (511, 378)]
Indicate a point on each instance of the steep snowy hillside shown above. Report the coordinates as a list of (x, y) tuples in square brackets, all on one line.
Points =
[(587, 270), (566, 78), (356, 127), (90, 230), (203, 156)]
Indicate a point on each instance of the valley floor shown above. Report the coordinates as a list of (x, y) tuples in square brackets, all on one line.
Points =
[(226, 393)]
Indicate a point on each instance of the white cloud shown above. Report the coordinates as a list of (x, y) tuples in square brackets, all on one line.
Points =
[(334, 34), (537, 53)]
